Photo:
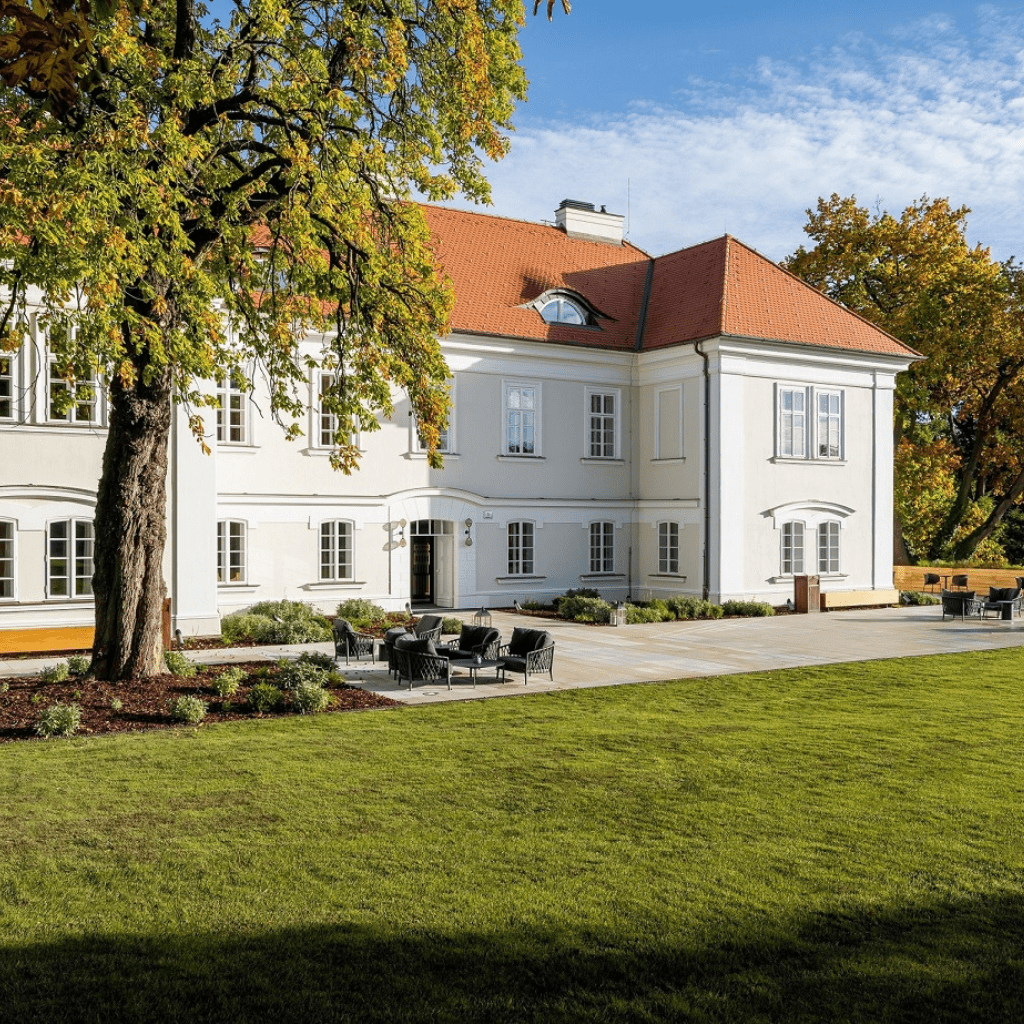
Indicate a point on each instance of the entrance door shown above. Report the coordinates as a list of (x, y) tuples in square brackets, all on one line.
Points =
[(422, 557)]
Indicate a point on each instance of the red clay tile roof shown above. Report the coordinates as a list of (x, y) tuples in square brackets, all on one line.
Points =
[(721, 287)]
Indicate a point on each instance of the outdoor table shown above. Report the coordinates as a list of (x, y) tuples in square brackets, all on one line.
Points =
[(473, 667), (1006, 611)]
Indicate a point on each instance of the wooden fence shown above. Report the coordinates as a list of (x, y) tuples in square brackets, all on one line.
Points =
[(911, 577)]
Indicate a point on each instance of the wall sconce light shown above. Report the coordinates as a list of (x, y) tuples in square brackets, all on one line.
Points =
[(401, 533), (469, 539)]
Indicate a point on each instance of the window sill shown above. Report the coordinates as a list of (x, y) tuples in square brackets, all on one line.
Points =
[(422, 456), (665, 576), (62, 599), (238, 586), (787, 460), (82, 429), (518, 579), (334, 585), (318, 452), (237, 446), (593, 460), (790, 577), (602, 576), (520, 458), (662, 462)]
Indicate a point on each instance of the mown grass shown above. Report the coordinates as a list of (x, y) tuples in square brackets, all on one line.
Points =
[(832, 844)]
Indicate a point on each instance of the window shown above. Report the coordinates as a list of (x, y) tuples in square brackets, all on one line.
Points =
[(6, 386), (792, 548), (6, 560), (230, 551), (336, 550), (828, 546), (231, 425), (602, 547), (793, 423), (829, 424), (520, 549), (602, 414), (328, 426), (522, 404), (85, 394), (563, 310), (446, 437), (668, 548), (69, 558)]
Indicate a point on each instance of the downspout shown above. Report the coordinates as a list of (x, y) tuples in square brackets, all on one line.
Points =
[(638, 344), (706, 496)]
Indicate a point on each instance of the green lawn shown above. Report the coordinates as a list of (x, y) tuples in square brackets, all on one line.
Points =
[(830, 844)]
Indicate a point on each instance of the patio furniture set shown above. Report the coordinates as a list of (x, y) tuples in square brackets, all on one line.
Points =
[(961, 603), (420, 655)]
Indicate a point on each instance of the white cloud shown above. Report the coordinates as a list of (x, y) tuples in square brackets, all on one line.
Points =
[(928, 112)]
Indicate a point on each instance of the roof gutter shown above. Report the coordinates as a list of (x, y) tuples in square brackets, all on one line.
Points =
[(706, 484)]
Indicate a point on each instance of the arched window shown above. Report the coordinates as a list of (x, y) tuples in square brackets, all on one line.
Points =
[(563, 310)]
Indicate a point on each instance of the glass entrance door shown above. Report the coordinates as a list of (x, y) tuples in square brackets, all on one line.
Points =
[(423, 569)]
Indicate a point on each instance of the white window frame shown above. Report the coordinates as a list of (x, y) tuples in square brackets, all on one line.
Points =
[(11, 562), (599, 450), (228, 389), (832, 419), (829, 547), (798, 427), (446, 438), (516, 437), (521, 541), (658, 392), (602, 547), (668, 548), (562, 299), (73, 415), (9, 384), (225, 563), (794, 541), (325, 424), (79, 568), (337, 559)]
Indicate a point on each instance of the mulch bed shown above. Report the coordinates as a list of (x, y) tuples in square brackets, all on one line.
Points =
[(144, 702)]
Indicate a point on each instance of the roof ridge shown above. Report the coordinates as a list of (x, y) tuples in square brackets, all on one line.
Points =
[(723, 305)]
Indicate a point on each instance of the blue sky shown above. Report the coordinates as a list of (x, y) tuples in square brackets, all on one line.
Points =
[(736, 117)]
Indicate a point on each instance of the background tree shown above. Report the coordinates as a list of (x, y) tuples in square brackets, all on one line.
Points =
[(215, 191), (917, 278)]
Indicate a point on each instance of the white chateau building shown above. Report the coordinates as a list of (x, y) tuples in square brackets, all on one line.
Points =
[(697, 423)]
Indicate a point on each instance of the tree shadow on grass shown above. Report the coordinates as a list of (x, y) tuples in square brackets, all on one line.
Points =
[(930, 962)]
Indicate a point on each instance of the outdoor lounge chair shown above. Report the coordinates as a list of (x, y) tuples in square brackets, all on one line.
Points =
[(959, 603), (389, 647), (529, 651), (349, 643), (429, 628), (417, 660), (959, 582), (997, 597), (482, 640), (932, 579)]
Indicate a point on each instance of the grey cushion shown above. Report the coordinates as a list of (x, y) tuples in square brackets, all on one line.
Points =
[(475, 636), (1002, 594), (394, 633), (525, 640), (413, 645), (514, 664), (343, 626)]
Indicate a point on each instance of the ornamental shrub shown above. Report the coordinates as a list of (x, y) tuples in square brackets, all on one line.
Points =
[(324, 661), (264, 697), (188, 709), (584, 609), (572, 593), (646, 613), (78, 664), (291, 673), (451, 625), (227, 683), (749, 608), (59, 720), (276, 622), (693, 608), (55, 673), (179, 665), (361, 612), (309, 698), (918, 597)]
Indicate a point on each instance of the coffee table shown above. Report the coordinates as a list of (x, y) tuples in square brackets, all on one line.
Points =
[(472, 667)]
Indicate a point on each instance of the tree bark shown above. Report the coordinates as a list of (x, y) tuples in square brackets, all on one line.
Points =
[(130, 532)]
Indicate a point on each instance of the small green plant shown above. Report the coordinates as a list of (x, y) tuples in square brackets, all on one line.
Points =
[(188, 709), (264, 697), (532, 606), (451, 625), (4, 687), (116, 704), (59, 720), (179, 665), (226, 705), (36, 698), (55, 673), (318, 658), (309, 698), (77, 694), (227, 683), (917, 597), (334, 680), (753, 609), (78, 664), (291, 673)]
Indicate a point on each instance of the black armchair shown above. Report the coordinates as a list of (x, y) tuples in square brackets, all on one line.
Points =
[(417, 660), (429, 627), (349, 643), (390, 637), (529, 651), (482, 640), (932, 579), (997, 599), (959, 603)]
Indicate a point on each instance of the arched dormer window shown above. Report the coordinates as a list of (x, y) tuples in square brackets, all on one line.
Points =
[(557, 307)]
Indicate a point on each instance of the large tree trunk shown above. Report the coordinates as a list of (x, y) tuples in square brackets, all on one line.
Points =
[(130, 532)]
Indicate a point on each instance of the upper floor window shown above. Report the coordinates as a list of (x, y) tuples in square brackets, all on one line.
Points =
[(84, 396), (445, 437), (336, 550), (69, 558), (792, 548), (231, 413), (668, 548), (6, 559), (231, 551), (522, 419), (520, 549), (793, 423), (563, 310), (602, 424), (602, 547), (327, 421), (803, 436), (829, 424), (828, 546), (6, 386)]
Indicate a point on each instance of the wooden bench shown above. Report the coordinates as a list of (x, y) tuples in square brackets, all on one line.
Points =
[(858, 599)]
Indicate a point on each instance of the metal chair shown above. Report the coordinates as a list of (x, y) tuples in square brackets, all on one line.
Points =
[(932, 579), (421, 665), (959, 603), (429, 627), (959, 583), (529, 651), (349, 643)]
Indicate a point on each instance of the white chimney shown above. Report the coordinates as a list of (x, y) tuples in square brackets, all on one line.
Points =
[(581, 220)]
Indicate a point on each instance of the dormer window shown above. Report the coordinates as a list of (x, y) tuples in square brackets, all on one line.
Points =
[(563, 311)]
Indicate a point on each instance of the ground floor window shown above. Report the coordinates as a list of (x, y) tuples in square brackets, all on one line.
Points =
[(69, 558), (336, 550), (828, 547), (230, 551), (792, 548), (602, 547), (668, 548), (520, 549), (6, 559)]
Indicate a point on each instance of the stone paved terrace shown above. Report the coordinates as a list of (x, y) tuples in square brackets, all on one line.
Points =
[(606, 656)]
